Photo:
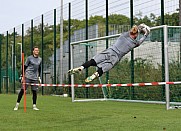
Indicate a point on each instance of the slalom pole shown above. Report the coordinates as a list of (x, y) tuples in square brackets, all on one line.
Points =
[(24, 82)]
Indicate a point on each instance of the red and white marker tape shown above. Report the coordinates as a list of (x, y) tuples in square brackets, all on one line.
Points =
[(108, 85)]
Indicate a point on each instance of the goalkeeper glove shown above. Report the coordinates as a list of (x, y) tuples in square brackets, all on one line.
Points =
[(147, 31), (21, 79), (144, 29)]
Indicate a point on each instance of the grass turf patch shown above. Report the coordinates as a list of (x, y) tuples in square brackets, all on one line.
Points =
[(57, 113)]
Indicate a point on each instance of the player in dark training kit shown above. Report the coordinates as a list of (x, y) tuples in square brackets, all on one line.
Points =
[(32, 69)]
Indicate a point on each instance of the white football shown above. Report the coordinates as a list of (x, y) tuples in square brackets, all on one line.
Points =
[(65, 95), (142, 28)]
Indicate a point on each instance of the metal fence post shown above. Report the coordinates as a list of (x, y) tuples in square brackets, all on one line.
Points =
[(7, 36), (0, 63), (14, 73), (22, 39), (107, 45), (69, 41), (132, 53), (42, 48), (107, 33), (31, 46), (22, 47), (55, 50), (163, 56), (86, 37)]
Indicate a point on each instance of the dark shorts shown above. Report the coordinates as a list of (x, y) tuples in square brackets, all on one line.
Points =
[(29, 81)]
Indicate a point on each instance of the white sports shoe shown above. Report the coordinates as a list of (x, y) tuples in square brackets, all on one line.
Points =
[(16, 107), (35, 108)]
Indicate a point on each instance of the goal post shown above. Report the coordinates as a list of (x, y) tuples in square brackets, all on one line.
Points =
[(165, 30), (104, 90), (160, 50)]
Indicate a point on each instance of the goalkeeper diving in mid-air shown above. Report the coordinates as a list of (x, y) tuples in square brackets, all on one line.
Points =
[(108, 58)]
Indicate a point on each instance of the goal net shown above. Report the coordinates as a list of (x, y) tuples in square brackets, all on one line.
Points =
[(158, 59)]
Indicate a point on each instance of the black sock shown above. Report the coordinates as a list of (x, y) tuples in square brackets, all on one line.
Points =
[(20, 95), (34, 96), (100, 72), (89, 63)]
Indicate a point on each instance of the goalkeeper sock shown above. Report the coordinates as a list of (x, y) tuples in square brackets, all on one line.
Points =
[(34, 96), (100, 72), (89, 63), (20, 95)]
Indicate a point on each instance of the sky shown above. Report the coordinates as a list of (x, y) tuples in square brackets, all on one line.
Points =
[(16, 12), (13, 13)]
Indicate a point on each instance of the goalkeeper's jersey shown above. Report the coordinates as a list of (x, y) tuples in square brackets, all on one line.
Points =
[(125, 43), (33, 69)]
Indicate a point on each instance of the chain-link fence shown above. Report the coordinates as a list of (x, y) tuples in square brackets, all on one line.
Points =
[(81, 19)]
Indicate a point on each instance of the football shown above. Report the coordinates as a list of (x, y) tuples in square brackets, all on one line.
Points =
[(142, 31), (143, 28)]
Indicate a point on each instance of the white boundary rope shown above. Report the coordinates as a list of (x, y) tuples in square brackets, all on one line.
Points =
[(108, 85)]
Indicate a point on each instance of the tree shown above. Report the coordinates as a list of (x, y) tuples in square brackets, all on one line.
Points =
[(118, 19)]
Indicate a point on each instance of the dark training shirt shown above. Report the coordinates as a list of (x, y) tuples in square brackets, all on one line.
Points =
[(33, 69)]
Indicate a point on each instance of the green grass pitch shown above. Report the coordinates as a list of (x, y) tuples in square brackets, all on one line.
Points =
[(60, 114)]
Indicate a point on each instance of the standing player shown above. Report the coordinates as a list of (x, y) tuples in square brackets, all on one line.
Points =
[(107, 59), (32, 70)]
